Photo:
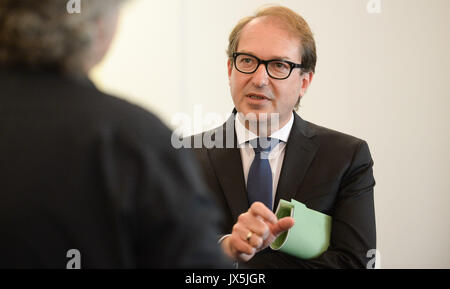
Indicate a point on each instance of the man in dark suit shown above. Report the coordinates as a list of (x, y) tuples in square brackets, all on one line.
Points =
[(88, 180), (271, 63)]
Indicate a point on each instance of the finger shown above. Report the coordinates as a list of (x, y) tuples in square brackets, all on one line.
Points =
[(240, 230), (256, 225), (282, 225), (255, 241), (249, 221), (246, 257), (239, 246), (253, 223), (259, 209)]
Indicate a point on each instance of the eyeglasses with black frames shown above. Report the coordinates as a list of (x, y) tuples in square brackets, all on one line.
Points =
[(276, 68)]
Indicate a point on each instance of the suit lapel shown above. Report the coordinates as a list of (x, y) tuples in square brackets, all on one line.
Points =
[(300, 151), (227, 164)]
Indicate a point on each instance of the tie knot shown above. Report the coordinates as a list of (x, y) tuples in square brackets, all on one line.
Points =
[(263, 144)]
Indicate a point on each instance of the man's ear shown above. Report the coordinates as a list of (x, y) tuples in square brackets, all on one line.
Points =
[(230, 68), (306, 79)]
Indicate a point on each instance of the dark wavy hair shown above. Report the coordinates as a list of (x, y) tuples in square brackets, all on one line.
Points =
[(43, 33)]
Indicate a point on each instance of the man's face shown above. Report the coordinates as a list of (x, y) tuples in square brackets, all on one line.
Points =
[(266, 39)]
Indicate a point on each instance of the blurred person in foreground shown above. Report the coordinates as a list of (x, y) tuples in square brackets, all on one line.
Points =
[(82, 171)]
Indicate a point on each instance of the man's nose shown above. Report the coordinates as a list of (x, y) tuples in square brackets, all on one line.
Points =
[(260, 76)]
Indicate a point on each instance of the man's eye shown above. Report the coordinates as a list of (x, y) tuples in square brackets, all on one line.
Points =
[(280, 65), (247, 60)]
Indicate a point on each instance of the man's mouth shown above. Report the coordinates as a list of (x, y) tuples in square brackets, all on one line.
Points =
[(257, 96)]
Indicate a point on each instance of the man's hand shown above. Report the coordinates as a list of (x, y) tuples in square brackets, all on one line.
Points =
[(254, 231)]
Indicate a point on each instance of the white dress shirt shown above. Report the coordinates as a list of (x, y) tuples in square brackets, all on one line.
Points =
[(276, 155)]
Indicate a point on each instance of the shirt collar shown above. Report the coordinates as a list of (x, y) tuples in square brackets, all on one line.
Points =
[(244, 135)]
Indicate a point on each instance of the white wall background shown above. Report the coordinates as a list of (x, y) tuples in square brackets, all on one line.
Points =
[(384, 77)]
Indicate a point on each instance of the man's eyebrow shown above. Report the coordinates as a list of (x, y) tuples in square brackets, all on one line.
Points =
[(274, 57)]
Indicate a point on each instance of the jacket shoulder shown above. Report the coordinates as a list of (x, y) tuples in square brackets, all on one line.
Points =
[(333, 137)]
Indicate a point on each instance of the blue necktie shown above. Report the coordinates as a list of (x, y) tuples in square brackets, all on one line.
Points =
[(259, 181)]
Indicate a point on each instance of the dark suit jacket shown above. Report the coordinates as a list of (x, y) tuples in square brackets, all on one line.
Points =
[(330, 172), (83, 170)]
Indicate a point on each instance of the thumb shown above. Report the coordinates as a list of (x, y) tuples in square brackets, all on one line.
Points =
[(282, 225)]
